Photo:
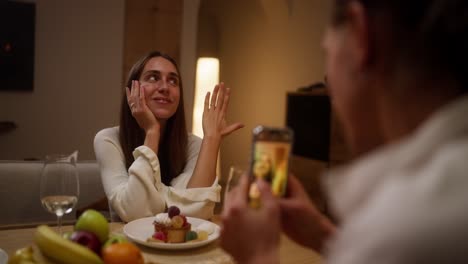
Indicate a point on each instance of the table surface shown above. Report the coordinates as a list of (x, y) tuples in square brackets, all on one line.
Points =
[(290, 252)]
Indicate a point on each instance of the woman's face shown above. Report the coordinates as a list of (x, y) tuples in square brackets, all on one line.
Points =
[(160, 81), (262, 166)]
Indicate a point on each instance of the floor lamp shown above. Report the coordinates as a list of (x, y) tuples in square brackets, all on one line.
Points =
[(207, 77)]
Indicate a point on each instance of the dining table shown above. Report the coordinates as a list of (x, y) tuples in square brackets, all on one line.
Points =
[(15, 237)]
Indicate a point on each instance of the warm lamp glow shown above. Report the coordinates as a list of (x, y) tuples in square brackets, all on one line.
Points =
[(206, 79)]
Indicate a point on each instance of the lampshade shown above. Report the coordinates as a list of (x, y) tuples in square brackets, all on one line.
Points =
[(206, 78)]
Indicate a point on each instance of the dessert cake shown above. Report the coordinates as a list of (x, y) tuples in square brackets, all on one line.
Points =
[(173, 227)]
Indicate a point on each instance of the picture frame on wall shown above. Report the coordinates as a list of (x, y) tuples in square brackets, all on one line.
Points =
[(17, 34)]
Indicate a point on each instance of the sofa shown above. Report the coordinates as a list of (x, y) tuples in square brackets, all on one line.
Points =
[(19, 192)]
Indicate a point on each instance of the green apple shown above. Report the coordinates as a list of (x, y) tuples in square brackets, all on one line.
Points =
[(93, 221), (115, 239)]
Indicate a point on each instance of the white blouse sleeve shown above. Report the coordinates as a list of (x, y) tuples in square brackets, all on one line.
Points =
[(132, 194), (139, 191)]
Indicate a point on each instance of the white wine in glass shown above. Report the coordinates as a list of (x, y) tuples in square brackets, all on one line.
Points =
[(59, 204), (59, 187)]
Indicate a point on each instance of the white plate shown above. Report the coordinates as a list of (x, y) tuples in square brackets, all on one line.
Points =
[(140, 230), (3, 257)]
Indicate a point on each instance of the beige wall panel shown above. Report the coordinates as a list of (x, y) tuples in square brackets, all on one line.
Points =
[(266, 49), (78, 73)]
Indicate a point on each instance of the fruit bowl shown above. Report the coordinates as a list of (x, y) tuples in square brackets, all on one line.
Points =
[(89, 242)]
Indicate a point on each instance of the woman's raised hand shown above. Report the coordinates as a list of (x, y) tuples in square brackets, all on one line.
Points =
[(215, 128), (214, 114), (140, 111)]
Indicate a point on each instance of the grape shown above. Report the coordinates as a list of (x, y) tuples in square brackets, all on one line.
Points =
[(202, 235), (191, 235), (173, 211)]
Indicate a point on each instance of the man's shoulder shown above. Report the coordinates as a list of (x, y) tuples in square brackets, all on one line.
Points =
[(435, 189)]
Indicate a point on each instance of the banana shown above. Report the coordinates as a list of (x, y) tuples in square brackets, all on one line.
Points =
[(23, 256), (63, 250)]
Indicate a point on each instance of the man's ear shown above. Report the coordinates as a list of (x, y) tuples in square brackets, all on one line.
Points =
[(359, 30)]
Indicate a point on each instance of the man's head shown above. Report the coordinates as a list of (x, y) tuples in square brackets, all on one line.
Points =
[(380, 48)]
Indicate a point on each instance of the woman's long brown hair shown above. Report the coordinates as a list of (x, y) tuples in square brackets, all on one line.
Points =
[(172, 153)]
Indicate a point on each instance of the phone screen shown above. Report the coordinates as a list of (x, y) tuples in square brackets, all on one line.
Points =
[(270, 161)]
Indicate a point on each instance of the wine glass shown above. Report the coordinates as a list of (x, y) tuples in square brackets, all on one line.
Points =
[(59, 186)]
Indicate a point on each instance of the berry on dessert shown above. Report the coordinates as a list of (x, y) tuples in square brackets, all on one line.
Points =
[(202, 235), (191, 235), (160, 236), (173, 211)]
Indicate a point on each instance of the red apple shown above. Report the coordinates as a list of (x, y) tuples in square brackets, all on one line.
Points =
[(87, 239)]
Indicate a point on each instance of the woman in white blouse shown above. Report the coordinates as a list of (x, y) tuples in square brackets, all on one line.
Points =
[(150, 161)]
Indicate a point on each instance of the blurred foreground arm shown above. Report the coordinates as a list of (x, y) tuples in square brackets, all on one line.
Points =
[(301, 220), (263, 222)]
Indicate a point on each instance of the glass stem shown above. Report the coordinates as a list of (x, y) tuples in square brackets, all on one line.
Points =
[(59, 224)]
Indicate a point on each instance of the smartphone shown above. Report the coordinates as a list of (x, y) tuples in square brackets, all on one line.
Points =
[(271, 149)]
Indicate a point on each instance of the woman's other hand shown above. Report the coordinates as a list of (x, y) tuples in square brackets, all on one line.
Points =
[(140, 111), (215, 128), (301, 220), (214, 113), (240, 221)]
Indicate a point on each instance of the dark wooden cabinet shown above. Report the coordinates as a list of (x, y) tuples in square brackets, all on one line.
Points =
[(318, 140), (308, 115), (317, 132)]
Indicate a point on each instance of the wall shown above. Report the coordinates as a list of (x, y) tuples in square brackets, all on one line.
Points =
[(188, 54), (151, 25), (266, 49), (78, 73)]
